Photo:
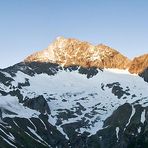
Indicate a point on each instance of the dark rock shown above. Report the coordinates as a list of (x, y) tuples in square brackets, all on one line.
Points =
[(144, 75), (5, 80), (117, 90), (39, 103), (21, 129), (90, 72)]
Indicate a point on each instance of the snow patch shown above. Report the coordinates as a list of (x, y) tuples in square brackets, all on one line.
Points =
[(117, 133), (132, 114), (143, 116)]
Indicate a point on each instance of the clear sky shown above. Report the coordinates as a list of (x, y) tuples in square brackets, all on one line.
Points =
[(30, 25)]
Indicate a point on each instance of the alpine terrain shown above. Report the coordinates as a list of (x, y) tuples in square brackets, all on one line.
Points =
[(75, 95)]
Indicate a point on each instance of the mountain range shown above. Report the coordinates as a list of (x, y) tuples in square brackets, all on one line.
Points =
[(75, 95)]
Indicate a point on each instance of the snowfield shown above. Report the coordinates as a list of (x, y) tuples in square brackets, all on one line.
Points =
[(89, 100)]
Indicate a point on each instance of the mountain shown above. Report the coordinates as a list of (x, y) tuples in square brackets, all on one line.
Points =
[(139, 64), (75, 95), (68, 52)]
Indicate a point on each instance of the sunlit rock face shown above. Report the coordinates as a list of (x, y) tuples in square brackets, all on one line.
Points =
[(139, 64), (74, 52)]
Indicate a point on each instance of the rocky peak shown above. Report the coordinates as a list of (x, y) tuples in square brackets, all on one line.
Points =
[(139, 64), (69, 51)]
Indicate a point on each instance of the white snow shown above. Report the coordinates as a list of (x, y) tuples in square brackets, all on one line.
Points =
[(15, 123), (74, 87), (11, 103), (117, 133), (139, 129), (43, 124), (132, 114), (143, 116), (41, 140), (34, 133), (118, 71), (33, 125), (11, 137)]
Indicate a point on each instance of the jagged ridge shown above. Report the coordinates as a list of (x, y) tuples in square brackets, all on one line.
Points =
[(70, 51), (74, 52)]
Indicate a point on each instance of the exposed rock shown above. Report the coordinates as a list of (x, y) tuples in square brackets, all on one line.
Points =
[(139, 64), (144, 74), (23, 133), (117, 90), (69, 52), (39, 103)]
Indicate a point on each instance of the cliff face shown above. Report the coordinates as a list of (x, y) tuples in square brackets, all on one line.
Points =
[(139, 64), (74, 52)]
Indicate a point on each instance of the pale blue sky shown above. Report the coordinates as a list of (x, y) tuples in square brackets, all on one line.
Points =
[(30, 25)]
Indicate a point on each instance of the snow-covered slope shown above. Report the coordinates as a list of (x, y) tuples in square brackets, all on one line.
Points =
[(78, 103)]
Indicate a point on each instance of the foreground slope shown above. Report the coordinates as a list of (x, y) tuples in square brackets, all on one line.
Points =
[(47, 105)]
